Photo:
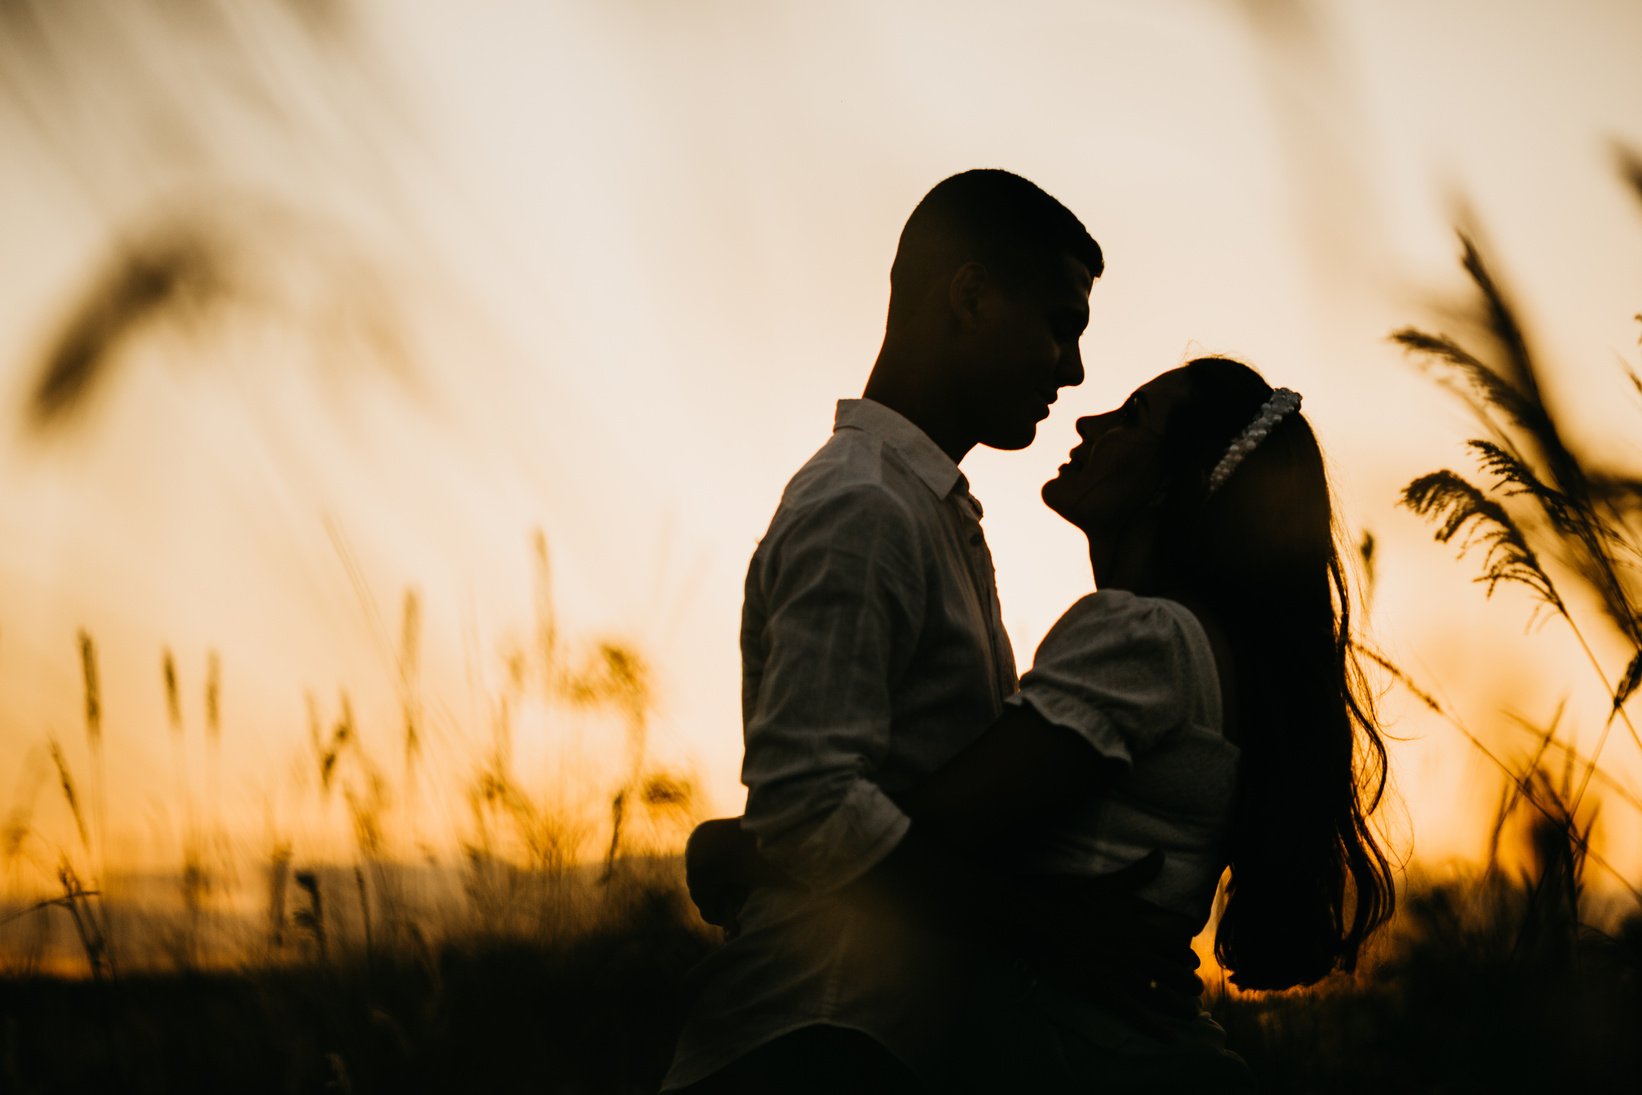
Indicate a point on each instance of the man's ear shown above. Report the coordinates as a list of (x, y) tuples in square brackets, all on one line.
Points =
[(965, 292)]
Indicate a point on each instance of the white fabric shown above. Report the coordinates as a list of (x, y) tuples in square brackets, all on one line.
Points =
[(872, 652), (1135, 677)]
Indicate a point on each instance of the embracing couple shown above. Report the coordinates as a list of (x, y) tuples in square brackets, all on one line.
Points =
[(951, 880)]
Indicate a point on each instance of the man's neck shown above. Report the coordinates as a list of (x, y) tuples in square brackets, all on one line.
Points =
[(903, 388)]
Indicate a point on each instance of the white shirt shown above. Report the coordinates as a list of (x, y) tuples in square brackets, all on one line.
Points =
[(872, 652), (1135, 677)]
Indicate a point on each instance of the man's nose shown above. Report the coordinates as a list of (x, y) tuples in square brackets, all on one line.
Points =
[(1086, 427), (1069, 373)]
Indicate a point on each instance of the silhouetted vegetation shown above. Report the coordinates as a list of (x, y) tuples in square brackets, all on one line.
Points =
[(1502, 979), (587, 1011), (1490, 981), (538, 954)]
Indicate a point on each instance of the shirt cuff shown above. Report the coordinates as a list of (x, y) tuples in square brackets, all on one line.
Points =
[(865, 827)]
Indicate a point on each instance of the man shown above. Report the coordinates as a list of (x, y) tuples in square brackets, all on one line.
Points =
[(872, 649)]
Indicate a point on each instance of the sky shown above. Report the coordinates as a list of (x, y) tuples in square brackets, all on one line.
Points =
[(602, 269)]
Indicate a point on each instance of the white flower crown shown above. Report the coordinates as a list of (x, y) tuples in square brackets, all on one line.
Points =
[(1282, 403)]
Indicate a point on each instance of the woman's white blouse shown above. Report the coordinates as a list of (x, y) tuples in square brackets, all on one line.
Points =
[(1135, 677)]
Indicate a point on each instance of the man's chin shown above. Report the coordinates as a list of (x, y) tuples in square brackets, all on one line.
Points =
[(1013, 438)]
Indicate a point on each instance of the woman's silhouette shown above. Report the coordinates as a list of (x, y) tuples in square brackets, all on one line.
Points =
[(1200, 710)]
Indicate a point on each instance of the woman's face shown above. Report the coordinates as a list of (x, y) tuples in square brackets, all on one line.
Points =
[(1116, 470)]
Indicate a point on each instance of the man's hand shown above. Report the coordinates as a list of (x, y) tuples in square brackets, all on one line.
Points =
[(721, 865)]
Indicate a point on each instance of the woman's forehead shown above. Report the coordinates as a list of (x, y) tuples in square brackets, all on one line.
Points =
[(1167, 389)]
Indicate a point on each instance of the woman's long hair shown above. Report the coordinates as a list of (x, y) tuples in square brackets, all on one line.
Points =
[(1261, 554)]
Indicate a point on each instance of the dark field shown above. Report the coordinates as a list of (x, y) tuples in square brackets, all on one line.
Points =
[(1482, 987), (591, 1014)]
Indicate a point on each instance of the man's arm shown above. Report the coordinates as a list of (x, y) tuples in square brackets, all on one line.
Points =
[(1020, 768), (837, 599)]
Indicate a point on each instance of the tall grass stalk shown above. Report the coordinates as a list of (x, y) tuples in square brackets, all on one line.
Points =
[(311, 917), (410, 700), (547, 620), (521, 864), (90, 921), (279, 877), (1520, 781), (98, 857), (1539, 499), (1527, 458), (213, 738), (183, 792)]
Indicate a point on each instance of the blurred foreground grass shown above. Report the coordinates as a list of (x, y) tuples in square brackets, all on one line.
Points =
[(589, 1010), (1478, 989), (1487, 983)]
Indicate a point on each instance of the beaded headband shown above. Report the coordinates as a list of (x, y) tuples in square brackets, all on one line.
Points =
[(1282, 403)]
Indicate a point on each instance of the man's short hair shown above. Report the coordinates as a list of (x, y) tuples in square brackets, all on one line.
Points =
[(1009, 225)]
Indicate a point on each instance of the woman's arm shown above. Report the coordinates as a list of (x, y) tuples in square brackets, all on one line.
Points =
[(1090, 930)]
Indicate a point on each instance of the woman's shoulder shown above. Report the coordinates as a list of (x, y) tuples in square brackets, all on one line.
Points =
[(1119, 616), (1116, 630), (1124, 670)]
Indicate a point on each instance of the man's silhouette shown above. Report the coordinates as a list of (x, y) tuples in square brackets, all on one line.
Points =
[(872, 649)]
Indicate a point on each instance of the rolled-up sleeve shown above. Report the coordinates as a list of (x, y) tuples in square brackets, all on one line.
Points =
[(835, 598)]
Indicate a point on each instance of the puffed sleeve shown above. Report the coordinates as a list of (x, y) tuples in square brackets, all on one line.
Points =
[(840, 589), (1113, 670)]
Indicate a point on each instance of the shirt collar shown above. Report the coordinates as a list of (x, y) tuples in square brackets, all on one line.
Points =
[(911, 444)]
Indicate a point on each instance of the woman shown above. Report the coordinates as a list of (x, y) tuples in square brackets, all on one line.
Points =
[(1200, 710)]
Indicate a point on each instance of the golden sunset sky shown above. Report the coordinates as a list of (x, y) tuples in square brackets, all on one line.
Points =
[(442, 275)]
